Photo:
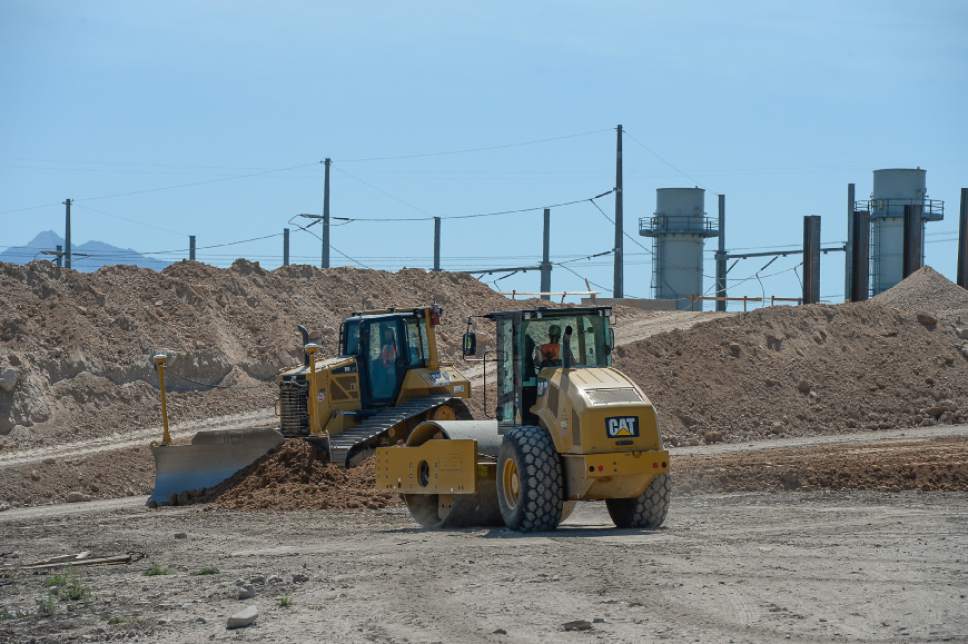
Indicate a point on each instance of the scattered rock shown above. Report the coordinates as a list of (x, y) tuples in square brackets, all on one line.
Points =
[(243, 618), (4, 506), (78, 497), (246, 592), (598, 620), (499, 631), (181, 535), (258, 580), (803, 387), (734, 349), (273, 580), (577, 625), (299, 578), (962, 332), (712, 436), (790, 480), (927, 320), (34, 475), (8, 378)]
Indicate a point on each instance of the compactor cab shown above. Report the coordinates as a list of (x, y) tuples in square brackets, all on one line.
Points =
[(567, 427)]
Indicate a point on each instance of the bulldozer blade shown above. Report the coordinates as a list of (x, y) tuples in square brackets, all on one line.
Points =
[(211, 457)]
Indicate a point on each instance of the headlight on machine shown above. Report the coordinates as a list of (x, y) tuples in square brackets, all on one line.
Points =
[(542, 387)]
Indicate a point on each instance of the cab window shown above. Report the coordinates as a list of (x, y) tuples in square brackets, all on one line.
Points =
[(415, 344), (351, 338)]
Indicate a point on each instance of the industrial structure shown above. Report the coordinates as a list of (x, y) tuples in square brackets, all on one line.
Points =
[(679, 228), (895, 191)]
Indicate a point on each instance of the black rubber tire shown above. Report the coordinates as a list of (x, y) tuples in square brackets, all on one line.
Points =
[(540, 496), (647, 510)]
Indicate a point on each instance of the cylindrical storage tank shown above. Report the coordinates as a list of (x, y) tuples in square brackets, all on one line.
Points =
[(679, 230), (893, 189)]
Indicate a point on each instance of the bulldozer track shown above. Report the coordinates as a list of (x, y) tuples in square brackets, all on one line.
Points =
[(342, 446)]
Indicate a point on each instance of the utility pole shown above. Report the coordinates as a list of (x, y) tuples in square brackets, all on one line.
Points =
[(436, 244), (618, 285), (963, 241), (721, 256), (285, 247), (67, 234), (546, 255), (849, 255), (327, 163), (59, 257), (191, 248)]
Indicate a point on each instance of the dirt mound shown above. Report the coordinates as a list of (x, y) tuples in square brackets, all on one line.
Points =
[(810, 369), (296, 476), (74, 346), (929, 466), (929, 291)]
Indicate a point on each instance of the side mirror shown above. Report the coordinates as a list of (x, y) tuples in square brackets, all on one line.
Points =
[(470, 343)]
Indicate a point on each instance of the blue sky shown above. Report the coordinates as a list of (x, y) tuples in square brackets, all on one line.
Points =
[(777, 105)]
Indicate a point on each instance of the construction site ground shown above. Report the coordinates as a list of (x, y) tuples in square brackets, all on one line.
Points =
[(858, 563)]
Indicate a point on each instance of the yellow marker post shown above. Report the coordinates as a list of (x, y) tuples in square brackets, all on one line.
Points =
[(160, 360)]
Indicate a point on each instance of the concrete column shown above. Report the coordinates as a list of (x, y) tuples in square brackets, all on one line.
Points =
[(859, 251), (191, 247), (811, 259), (848, 256), (913, 239)]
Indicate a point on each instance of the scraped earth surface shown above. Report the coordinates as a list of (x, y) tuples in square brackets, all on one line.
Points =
[(861, 566)]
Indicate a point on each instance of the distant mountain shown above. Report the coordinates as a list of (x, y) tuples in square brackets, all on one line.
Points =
[(87, 257)]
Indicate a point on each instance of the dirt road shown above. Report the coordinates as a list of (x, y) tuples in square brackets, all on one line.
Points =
[(750, 567)]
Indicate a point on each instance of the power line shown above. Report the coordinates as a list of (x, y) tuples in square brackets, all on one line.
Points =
[(612, 221), (486, 148), (197, 183), (496, 213), (662, 159)]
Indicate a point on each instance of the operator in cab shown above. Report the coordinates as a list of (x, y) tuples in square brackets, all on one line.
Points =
[(549, 353)]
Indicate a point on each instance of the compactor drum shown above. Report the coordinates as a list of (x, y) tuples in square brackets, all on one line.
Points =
[(569, 427), (387, 379)]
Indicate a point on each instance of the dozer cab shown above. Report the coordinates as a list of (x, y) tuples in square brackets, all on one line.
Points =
[(387, 379), (568, 427)]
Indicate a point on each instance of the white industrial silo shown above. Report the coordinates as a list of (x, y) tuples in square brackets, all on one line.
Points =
[(679, 228), (895, 188)]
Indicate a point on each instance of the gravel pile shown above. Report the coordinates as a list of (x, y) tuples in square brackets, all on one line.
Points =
[(895, 361), (74, 346)]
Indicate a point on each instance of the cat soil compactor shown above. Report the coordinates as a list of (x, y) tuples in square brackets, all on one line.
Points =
[(386, 380), (569, 427)]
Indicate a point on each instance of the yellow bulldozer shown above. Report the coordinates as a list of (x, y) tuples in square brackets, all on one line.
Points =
[(568, 427), (387, 379)]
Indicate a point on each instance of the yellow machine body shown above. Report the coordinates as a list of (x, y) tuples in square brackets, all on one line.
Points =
[(558, 399)]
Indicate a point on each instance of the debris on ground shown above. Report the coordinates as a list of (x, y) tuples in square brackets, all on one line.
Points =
[(243, 618)]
